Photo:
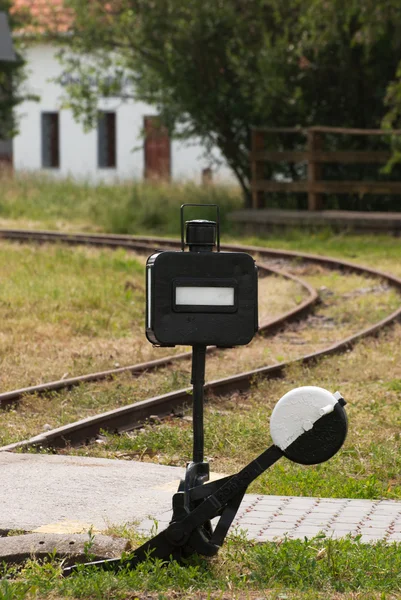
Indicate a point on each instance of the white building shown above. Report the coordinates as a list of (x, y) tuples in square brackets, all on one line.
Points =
[(50, 140)]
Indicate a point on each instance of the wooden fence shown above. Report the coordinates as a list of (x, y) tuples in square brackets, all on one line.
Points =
[(315, 156)]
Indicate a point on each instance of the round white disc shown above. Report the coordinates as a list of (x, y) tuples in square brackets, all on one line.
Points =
[(297, 411)]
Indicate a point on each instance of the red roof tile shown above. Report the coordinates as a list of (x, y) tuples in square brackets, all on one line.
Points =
[(43, 16)]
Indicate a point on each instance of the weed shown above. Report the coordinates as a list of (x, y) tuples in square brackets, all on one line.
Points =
[(89, 545), (292, 568)]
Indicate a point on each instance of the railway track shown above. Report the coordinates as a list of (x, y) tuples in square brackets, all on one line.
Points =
[(131, 416)]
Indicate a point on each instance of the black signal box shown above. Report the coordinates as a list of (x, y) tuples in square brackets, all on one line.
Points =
[(201, 298)]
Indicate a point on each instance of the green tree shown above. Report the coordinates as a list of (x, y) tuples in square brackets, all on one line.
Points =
[(11, 77), (215, 68)]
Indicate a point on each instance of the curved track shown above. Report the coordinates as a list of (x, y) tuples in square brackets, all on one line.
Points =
[(128, 417)]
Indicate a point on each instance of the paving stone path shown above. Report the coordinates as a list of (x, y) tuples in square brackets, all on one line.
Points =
[(267, 518)]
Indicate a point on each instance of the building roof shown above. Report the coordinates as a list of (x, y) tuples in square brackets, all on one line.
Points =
[(42, 16)]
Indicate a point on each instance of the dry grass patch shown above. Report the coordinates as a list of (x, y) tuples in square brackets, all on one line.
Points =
[(72, 311), (81, 315), (69, 311), (34, 413), (349, 303)]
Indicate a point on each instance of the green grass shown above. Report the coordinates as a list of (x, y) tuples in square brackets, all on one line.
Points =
[(58, 285), (367, 249), (68, 311), (135, 207), (299, 568)]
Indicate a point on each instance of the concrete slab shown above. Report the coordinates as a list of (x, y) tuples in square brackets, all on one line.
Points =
[(72, 548), (39, 490), (70, 494)]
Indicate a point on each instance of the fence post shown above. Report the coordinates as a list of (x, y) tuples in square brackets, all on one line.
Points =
[(257, 168), (315, 142)]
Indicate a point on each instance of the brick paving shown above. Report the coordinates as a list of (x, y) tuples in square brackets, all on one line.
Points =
[(268, 518)]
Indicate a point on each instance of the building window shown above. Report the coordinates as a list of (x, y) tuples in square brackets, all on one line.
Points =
[(106, 141), (50, 140)]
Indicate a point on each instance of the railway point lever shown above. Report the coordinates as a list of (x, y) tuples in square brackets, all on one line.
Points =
[(204, 297)]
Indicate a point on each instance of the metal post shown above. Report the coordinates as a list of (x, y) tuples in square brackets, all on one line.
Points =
[(198, 381), (315, 143)]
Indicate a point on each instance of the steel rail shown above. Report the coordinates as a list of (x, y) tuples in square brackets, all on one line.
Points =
[(131, 416)]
